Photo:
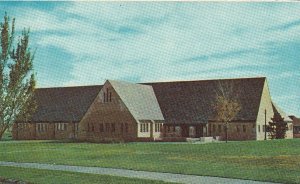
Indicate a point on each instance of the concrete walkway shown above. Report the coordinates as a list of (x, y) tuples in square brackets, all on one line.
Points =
[(168, 177)]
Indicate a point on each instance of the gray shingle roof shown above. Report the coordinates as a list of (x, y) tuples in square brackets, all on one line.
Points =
[(64, 104), (180, 102), (139, 99), (191, 101)]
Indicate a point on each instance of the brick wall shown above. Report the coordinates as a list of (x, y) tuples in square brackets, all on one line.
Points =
[(43, 131)]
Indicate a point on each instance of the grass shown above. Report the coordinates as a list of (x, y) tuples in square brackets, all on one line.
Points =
[(7, 136), (54, 177), (277, 160)]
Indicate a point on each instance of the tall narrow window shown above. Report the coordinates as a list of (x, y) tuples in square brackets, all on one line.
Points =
[(258, 126), (244, 128), (110, 96), (107, 127), (141, 127), (113, 127), (214, 128), (104, 97), (122, 127), (107, 94), (101, 128), (219, 128), (237, 128), (65, 126), (126, 128)]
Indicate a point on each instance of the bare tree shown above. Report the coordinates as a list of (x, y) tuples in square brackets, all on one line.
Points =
[(227, 104)]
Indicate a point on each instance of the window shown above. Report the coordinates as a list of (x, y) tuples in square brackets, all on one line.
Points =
[(76, 126), (258, 126), (126, 128), (101, 127), (122, 127), (63, 126), (237, 128), (107, 127), (104, 97), (244, 128), (144, 127), (42, 127), (214, 128), (20, 125), (158, 127), (219, 128), (113, 127)]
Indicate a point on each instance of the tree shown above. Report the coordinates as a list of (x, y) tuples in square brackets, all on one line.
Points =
[(17, 80), (277, 128), (227, 104)]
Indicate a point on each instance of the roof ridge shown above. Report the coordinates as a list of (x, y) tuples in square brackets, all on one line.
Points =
[(202, 80), (63, 87)]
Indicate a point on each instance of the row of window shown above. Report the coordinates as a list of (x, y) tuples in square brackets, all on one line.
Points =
[(42, 127), (144, 127), (108, 127), (23, 125), (61, 126), (106, 96), (219, 129), (157, 127)]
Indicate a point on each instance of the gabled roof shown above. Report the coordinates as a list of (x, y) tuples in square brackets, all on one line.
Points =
[(63, 104), (296, 121), (191, 101), (176, 102), (139, 99), (282, 114)]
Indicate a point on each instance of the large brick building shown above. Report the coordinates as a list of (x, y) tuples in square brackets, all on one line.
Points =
[(121, 111)]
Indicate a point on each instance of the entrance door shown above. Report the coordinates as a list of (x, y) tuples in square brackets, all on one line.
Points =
[(192, 131)]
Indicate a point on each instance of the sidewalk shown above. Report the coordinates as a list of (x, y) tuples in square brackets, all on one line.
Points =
[(168, 177)]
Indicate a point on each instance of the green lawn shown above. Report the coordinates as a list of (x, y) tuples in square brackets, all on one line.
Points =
[(6, 136), (277, 160), (55, 177)]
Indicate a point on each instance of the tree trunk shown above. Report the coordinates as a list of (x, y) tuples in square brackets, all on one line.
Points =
[(3, 128)]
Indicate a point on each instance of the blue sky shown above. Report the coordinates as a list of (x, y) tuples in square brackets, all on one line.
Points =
[(84, 43)]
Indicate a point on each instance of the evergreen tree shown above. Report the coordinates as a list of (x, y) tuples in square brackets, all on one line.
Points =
[(277, 128), (17, 80)]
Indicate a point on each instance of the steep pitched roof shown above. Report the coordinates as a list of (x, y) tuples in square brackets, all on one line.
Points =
[(63, 104), (178, 102), (139, 99), (191, 101)]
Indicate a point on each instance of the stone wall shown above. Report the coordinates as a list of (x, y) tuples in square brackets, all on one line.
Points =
[(108, 119)]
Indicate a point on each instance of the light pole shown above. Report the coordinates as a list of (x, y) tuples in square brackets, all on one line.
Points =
[(265, 124)]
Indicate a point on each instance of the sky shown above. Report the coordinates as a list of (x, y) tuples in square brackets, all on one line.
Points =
[(85, 43)]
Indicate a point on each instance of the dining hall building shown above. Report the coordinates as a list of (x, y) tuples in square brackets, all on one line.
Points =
[(123, 111)]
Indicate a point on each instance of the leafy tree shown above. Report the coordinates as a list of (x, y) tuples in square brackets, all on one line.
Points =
[(227, 104), (17, 80), (277, 128)]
